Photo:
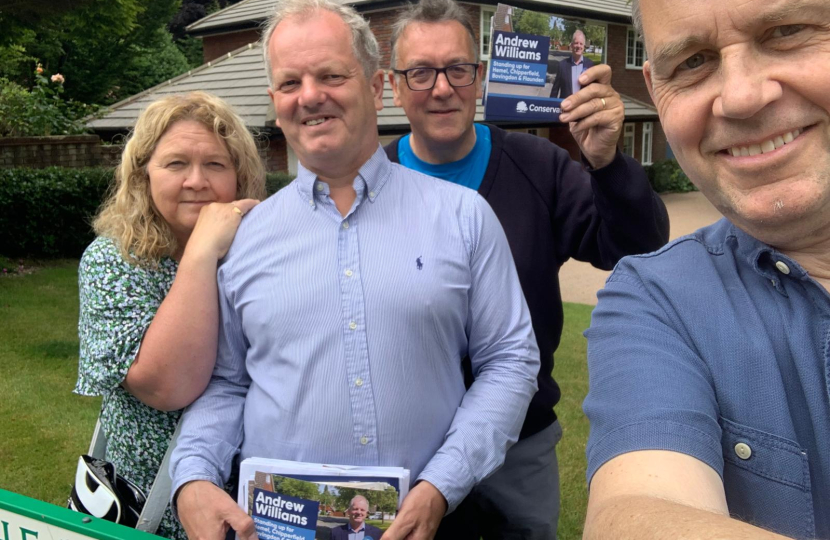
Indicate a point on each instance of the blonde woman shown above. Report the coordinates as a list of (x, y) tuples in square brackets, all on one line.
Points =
[(148, 301)]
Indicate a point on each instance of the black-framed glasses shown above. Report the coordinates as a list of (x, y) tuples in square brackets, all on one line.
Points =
[(423, 78)]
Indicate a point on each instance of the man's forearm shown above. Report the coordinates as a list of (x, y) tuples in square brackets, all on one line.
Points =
[(650, 518)]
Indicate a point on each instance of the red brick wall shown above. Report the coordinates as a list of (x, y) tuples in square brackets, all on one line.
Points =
[(625, 81), (215, 46), (560, 135), (275, 155), (65, 151), (381, 24)]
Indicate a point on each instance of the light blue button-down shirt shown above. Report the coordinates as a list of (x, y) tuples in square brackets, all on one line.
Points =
[(342, 337)]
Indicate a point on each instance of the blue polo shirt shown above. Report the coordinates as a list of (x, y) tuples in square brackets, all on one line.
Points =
[(718, 346), (467, 171)]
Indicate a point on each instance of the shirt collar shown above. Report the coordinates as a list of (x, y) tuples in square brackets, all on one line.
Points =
[(369, 181), (766, 260), (362, 527)]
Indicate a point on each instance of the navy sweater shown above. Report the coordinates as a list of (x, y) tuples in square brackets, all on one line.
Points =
[(551, 210)]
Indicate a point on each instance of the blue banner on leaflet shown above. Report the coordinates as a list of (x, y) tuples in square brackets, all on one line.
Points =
[(280, 517), (522, 108)]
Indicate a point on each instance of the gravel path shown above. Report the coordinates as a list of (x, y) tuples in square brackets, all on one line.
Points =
[(687, 213)]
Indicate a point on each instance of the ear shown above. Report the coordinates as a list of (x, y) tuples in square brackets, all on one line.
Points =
[(396, 91), (377, 89), (272, 95), (647, 77), (479, 81)]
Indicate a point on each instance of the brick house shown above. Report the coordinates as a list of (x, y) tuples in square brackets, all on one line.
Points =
[(234, 70)]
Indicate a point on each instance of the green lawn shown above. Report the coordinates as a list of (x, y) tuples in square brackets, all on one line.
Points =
[(45, 427)]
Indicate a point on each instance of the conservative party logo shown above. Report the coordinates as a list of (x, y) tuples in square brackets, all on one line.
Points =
[(521, 107)]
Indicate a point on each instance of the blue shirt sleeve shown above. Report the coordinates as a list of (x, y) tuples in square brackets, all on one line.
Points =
[(212, 426), (649, 389), (505, 362)]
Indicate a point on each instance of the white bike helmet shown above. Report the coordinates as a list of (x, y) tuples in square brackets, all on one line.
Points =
[(100, 492)]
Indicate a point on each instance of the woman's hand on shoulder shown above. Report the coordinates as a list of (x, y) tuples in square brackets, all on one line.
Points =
[(217, 225)]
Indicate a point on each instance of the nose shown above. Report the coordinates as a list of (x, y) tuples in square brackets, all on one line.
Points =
[(311, 93), (442, 88), (196, 178), (746, 85)]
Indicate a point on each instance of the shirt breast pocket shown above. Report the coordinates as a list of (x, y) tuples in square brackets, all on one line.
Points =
[(767, 480)]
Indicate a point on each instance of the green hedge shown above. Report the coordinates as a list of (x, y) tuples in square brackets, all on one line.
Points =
[(47, 212), (275, 181), (667, 177)]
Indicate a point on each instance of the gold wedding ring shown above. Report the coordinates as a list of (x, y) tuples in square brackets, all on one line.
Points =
[(238, 211), (602, 99)]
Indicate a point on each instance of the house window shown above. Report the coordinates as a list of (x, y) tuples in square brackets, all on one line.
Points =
[(486, 16), (628, 139), (635, 50), (648, 127)]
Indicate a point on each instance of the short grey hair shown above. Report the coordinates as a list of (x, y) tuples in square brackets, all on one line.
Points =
[(432, 11), (364, 44), (358, 498), (637, 17)]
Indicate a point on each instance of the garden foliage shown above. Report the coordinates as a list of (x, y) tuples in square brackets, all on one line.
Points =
[(667, 177), (47, 212)]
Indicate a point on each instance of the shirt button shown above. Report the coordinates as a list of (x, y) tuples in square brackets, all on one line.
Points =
[(348, 273), (319, 187), (782, 267), (364, 440), (743, 451), (311, 202), (371, 194), (345, 224), (352, 325), (358, 382)]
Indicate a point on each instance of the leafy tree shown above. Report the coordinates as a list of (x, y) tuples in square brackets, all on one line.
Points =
[(326, 499), (531, 22), (387, 502), (295, 488)]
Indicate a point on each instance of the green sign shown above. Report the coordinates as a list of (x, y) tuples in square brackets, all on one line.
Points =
[(23, 518)]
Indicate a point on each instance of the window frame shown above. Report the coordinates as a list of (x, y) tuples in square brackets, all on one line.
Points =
[(648, 141), (632, 44), (629, 134)]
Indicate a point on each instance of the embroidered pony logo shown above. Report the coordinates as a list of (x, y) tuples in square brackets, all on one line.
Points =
[(419, 263)]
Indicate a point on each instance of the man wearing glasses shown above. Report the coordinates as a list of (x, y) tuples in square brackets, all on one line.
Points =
[(551, 208)]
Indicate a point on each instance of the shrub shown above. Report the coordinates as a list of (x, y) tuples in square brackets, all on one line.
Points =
[(667, 177), (40, 111), (47, 212), (275, 181)]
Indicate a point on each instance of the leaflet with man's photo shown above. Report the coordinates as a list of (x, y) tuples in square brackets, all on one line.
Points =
[(291, 500), (535, 62)]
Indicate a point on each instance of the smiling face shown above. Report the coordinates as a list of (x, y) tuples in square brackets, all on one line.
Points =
[(324, 104), (358, 511), (578, 45), (189, 168), (741, 87), (441, 117)]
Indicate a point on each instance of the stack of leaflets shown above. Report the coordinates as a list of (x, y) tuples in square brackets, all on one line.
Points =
[(291, 500)]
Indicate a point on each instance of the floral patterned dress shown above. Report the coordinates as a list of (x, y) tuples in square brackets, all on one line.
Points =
[(118, 302)]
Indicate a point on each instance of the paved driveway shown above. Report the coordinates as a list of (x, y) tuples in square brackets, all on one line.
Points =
[(687, 213)]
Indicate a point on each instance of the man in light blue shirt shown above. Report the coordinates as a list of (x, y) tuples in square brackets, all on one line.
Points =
[(348, 300)]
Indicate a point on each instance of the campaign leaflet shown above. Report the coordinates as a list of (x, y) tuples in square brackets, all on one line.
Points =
[(291, 500), (525, 81)]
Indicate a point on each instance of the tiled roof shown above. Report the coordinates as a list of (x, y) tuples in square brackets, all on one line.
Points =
[(254, 12), (239, 78)]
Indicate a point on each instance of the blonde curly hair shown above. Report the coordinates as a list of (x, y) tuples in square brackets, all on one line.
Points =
[(128, 214)]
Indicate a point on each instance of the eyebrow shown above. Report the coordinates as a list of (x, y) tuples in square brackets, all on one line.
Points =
[(668, 51), (418, 62)]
